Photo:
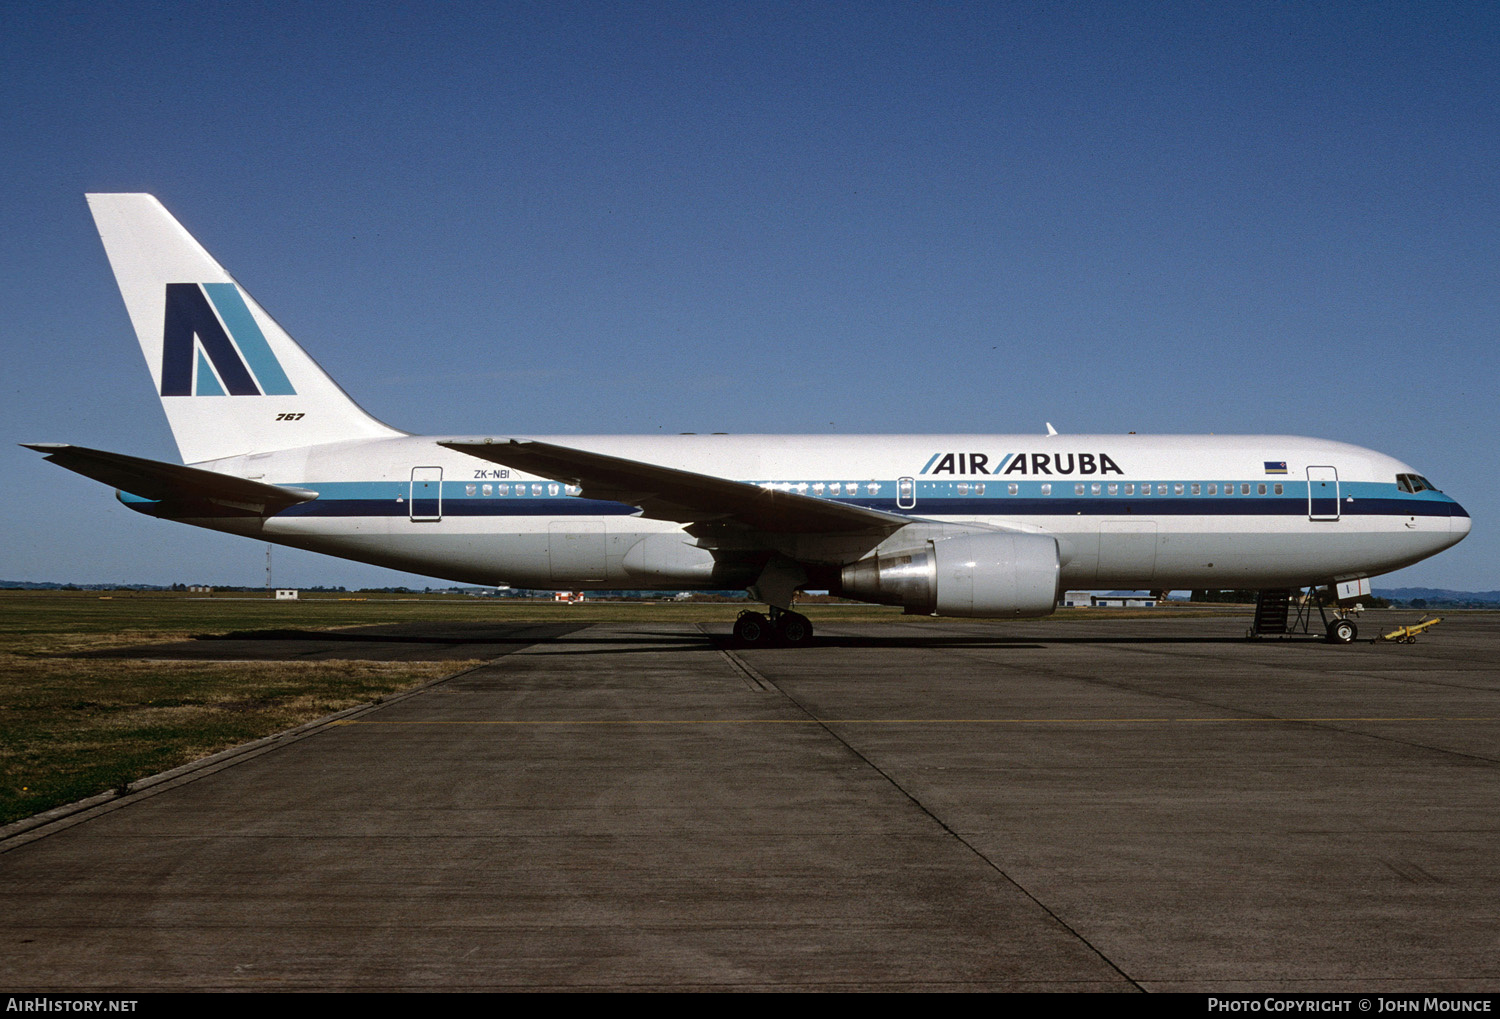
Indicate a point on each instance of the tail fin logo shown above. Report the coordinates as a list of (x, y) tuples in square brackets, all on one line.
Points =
[(211, 346)]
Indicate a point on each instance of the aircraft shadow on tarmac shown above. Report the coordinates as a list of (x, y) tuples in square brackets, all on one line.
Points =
[(408, 635), (585, 638), (661, 641)]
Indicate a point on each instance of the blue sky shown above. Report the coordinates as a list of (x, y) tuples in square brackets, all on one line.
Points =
[(560, 218)]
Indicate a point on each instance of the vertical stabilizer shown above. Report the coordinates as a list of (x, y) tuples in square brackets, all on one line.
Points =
[(230, 379)]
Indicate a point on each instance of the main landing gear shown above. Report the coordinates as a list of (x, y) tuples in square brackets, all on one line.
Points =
[(791, 629)]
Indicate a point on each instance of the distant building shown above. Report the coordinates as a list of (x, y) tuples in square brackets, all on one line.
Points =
[(1116, 601), (286, 594), (1112, 600)]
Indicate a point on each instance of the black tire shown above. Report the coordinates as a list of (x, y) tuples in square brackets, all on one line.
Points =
[(1342, 631), (794, 629), (752, 628)]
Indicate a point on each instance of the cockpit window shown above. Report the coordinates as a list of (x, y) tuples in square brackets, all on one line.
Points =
[(1414, 483)]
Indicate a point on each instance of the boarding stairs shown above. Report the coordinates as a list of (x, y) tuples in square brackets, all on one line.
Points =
[(1270, 612)]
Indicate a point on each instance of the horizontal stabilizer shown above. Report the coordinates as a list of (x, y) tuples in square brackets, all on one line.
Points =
[(664, 493), (171, 483)]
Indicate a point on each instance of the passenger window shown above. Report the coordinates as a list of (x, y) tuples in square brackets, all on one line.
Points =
[(978, 488), (1197, 489), (963, 488), (1261, 488), (1077, 489), (1013, 488), (1176, 489), (469, 490), (1046, 488), (489, 490), (1114, 489), (1245, 489), (1278, 488), (536, 489), (1130, 489), (503, 489), (1213, 489)]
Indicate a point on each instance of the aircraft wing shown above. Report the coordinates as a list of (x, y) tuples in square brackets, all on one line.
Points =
[(171, 483), (664, 493)]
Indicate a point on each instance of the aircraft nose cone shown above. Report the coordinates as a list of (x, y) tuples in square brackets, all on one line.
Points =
[(1458, 522)]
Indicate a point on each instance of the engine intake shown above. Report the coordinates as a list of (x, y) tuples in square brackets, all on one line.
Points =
[(979, 575)]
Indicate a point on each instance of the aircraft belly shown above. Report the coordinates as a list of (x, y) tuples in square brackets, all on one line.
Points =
[(531, 552)]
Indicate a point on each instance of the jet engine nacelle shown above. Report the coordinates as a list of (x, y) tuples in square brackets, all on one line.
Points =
[(984, 575)]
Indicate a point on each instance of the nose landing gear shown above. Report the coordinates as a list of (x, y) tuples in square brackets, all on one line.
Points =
[(1342, 631), (1274, 615)]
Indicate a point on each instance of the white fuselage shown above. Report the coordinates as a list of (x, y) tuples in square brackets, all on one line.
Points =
[(1137, 512)]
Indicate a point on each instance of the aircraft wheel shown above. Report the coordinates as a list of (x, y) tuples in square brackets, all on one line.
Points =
[(752, 628), (1342, 631), (794, 629)]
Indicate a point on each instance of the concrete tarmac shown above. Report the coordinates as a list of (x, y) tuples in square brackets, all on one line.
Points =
[(1060, 805)]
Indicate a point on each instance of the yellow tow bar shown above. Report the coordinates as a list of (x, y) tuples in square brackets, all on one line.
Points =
[(1408, 634)]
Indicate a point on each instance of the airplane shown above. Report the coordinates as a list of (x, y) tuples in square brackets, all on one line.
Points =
[(980, 526)]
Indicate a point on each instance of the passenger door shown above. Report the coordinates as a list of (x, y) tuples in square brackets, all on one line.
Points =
[(1322, 493), (425, 503)]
